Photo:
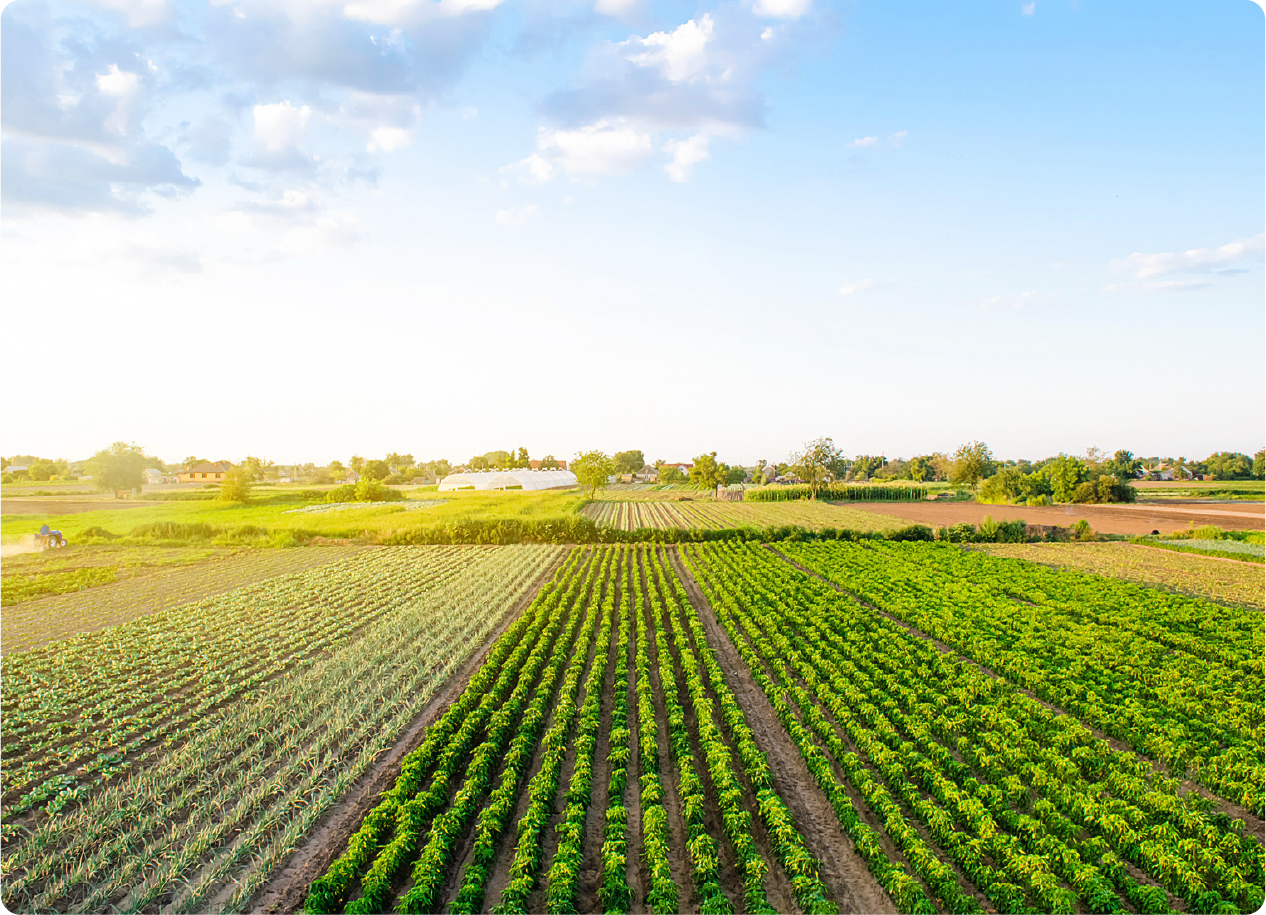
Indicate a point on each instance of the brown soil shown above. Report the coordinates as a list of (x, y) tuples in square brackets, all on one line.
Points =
[(288, 888), (1142, 518), (847, 879), (60, 507)]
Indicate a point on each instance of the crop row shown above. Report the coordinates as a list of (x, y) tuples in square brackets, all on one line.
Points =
[(538, 701), (724, 516), (1178, 679), (982, 792), (838, 492), (86, 708), (212, 816)]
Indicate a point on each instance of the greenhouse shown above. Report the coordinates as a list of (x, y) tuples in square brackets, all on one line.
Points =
[(509, 479)]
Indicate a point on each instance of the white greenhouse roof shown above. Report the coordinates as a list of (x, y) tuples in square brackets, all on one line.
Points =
[(508, 479)]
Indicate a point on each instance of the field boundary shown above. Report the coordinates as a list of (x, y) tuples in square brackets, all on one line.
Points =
[(288, 888)]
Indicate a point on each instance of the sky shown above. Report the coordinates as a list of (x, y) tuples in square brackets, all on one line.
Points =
[(306, 229)]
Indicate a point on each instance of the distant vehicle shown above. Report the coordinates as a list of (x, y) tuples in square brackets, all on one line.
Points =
[(48, 539)]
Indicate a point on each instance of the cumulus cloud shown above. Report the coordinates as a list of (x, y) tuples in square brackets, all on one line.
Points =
[(685, 154), (389, 139), (621, 9), (281, 127), (857, 288), (679, 55), (535, 169), (864, 141), (517, 217), (891, 141), (602, 148), (1196, 260)]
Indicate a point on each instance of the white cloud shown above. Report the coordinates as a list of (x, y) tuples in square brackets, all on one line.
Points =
[(1196, 260), (335, 230), (1159, 286), (679, 55), (864, 141), (859, 287), (410, 12), (893, 141), (897, 137), (618, 8), (535, 169), (1028, 9), (116, 82), (389, 139), (517, 217), (140, 13), (685, 153), (280, 127), (782, 9), (601, 148)]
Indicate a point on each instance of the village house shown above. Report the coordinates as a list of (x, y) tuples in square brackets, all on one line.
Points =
[(206, 472)]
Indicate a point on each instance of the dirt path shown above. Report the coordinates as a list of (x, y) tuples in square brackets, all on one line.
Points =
[(1108, 519), (847, 879), (288, 888)]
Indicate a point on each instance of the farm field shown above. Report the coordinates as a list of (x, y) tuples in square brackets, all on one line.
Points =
[(712, 515), (173, 761), (1136, 519), (137, 582), (960, 789), (1198, 576)]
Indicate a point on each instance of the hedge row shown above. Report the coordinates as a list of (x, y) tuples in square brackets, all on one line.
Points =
[(838, 492)]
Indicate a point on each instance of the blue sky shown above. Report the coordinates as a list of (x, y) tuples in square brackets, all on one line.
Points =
[(307, 229)]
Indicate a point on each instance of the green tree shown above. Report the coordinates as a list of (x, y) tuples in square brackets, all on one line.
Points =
[(549, 462), (667, 473), (119, 467), (972, 463), (356, 463), (706, 472), (41, 470), (376, 470), (818, 463), (1225, 465), (865, 466), (400, 461), (236, 486), (1066, 473), (524, 460), (337, 470), (1259, 464), (1123, 465), (734, 475), (920, 469), (629, 461), (592, 469), (254, 468)]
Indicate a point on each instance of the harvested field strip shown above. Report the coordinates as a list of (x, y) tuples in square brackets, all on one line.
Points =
[(203, 825), (503, 747), (1197, 576), (709, 515), (983, 789), (47, 619)]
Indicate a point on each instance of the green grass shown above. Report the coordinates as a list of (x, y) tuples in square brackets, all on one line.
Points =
[(267, 521), (17, 588)]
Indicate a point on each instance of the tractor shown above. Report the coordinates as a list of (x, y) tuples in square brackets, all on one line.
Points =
[(48, 539)]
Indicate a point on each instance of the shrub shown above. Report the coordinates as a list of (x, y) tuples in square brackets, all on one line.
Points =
[(6, 478), (1082, 531)]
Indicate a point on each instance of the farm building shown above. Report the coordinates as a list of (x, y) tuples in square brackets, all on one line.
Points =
[(206, 472), (508, 479)]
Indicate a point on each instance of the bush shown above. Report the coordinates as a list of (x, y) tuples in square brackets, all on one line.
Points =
[(1082, 531), (393, 480), (1038, 500), (6, 478)]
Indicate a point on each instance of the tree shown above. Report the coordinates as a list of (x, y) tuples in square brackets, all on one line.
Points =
[(549, 462), (41, 470), (920, 469), (356, 463), (254, 468), (191, 461), (706, 472), (734, 475), (972, 463), (667, 473), (375, 470), (119, 467), (818, 463), (1123, 465), (337, 470), (399, 461), (237, 484), (629, 461), (1066, 473), (524, 460), (866, 466), (1259, 464), (592, 469), (1225, 465)]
